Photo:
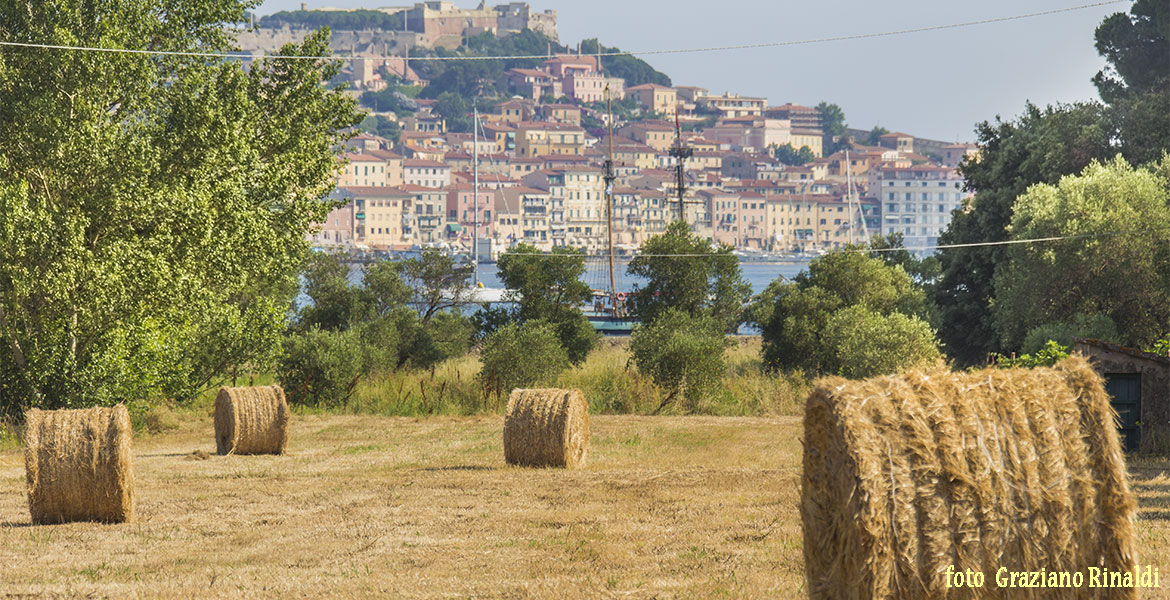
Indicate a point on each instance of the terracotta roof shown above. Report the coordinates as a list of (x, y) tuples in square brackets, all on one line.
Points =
[(386, 191), (648, 86), (354, 157), (418, 162), (384, 154), (410, 187)]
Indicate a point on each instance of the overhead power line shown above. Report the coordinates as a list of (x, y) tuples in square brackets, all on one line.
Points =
[(883, 250), (753, 46)]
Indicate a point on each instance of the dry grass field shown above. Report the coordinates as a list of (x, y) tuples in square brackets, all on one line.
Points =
[(669, 507)]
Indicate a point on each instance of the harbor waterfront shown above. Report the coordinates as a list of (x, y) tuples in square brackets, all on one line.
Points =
[(757, 273)]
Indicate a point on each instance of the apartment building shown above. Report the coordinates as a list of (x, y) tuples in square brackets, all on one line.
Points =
[(536, 138), (363, 170), (654, 97), (462, 206), (429, 216), (426, 173), (917, 201), (379, 213), (733, 105)]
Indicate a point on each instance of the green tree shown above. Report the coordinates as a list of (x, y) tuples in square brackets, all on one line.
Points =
[(890, 249), (1136, 80), (795, 335), (548, 287), (389, 99), (791, 156), (1137, 48), (323, 368), (1095, 327), (154, 207), (454, 109), (875, 135), (1117, 263), (437, 282), (684, 271), (545, 286), (1040, 146), (522, 355), (861, 342), (682, 353), (334, 303), (833, 125), (382, 126)]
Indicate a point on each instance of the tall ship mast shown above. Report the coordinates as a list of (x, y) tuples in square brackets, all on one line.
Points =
[(681, 153), (609, 177)]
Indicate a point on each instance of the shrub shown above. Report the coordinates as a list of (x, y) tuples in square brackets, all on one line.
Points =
[(682, 354), (863, 343), (796, 332), (1097, 326), (1047, 356), (578, 337), (322, 368), (519, 356)]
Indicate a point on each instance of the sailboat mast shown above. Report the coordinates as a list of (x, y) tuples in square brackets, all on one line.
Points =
[(475, 194), (849, 194), (609, 179)]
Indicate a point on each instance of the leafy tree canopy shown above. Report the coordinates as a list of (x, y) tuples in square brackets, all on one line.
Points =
[(1137, 47), (381, 126), (1119, 267), (548, 287), (682, 353), (791, 156), (684, 271), (1040, 146), (875, 135), (154, 209), (833, 124), (796, 331)]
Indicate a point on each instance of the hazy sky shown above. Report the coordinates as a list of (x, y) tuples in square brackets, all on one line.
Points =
[(934, 85)]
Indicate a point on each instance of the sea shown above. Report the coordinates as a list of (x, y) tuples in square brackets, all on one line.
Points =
[(757, 273)]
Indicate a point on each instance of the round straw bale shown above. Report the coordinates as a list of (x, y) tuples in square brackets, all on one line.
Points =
[(251, 420), (79, 465), (547, 428), (911, 476)]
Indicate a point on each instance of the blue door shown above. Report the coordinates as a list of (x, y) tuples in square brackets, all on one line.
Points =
[(1125, 392)]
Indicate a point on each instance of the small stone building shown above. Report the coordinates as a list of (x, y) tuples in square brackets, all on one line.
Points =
[(1139, 387)]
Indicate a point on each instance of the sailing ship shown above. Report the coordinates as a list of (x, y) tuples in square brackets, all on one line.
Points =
[(609, 312)]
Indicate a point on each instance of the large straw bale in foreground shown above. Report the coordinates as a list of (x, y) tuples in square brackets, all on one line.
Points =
[(907, 475), (79, 465), (251, 420), (546, 428)]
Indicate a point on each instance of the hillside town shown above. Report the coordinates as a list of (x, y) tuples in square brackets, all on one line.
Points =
[(540, 168)]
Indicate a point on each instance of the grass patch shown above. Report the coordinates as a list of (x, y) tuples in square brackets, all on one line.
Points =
[(608, 378)]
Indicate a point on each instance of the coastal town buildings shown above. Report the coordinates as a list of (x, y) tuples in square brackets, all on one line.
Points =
[(541, 154)]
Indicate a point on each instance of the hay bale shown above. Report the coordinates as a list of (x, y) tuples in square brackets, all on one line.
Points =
[(908, 475), (251, 420), (546, 428), (79, 465)]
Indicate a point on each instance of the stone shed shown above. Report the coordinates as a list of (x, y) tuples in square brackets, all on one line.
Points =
[(1139, 386)]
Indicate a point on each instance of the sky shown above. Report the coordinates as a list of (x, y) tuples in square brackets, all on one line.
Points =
[(935, 85)]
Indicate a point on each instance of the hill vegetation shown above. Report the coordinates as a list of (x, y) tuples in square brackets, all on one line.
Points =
[(345, 20)]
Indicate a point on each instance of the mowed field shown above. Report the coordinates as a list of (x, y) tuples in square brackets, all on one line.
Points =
[(669, 507)]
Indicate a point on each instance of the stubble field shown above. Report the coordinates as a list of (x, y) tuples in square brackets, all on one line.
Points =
[(669, 507)]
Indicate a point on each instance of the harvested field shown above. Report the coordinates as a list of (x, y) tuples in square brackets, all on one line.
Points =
[(667, 507)]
